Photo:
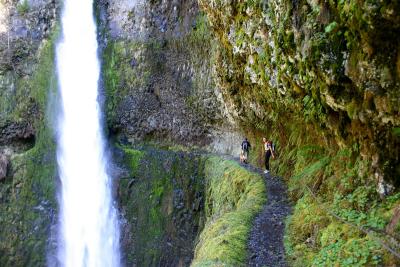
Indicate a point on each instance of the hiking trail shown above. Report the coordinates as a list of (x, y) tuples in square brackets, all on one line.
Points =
[(265, 245)]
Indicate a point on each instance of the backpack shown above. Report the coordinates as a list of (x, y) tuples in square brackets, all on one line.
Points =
[(245, 146)]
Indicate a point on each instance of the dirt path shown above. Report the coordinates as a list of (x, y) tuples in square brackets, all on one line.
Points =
[(266, 238)]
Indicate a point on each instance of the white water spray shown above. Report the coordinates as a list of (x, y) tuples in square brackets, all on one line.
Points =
[(88, 223)]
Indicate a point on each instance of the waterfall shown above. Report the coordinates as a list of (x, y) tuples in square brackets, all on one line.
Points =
[(88, 228)]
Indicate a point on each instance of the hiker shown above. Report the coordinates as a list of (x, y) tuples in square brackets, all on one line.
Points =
[(269, 152), (244, 155)]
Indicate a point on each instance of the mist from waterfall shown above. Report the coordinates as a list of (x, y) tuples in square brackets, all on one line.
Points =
[(88, 227)]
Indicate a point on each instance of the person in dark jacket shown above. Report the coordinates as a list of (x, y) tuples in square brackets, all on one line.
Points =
[(244, 155)]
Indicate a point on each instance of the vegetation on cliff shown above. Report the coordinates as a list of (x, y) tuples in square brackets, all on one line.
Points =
[(234, 196), (28, 193), (162, 200), (320, 78), (183, 202)]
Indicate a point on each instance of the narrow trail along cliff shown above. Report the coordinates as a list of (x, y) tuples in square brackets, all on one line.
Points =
[(266, 238)]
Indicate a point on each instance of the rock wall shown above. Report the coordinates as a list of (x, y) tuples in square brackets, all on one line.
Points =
[(161, 195), (330, 64), (27, 78), (158, 72), (24, 27)]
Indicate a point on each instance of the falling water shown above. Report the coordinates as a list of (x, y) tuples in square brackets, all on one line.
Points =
[(88, 223)]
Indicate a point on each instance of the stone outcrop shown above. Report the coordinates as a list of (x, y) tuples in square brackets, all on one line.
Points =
[(321, 78), (23, 27), (158, 73)]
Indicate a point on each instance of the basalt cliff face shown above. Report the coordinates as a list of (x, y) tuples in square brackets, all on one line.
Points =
[(158, 74), (28, 177), (25, 27)]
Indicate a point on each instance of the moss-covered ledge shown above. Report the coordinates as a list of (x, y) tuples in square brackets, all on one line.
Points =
[(234, 196), (186, 207)]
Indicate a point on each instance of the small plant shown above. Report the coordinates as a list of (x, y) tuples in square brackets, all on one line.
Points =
[(332, 26), (23, 7), (396, 131)]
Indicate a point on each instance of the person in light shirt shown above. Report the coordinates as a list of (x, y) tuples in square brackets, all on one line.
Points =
[(269, 152)]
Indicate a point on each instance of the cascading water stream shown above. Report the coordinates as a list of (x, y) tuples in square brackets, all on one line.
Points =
[(88, 222)]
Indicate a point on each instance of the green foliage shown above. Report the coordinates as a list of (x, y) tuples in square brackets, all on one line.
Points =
[(353, 252), (396, 131), (233, 197), (23, 7), (303, 63), (332, 26), (314, 236), (313, 110), (202, 30)]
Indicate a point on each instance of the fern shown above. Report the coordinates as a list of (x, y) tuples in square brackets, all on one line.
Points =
[(396, 131), (313, 168)]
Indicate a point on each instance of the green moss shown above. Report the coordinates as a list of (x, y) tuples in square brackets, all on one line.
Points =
[(309, 54), (133, 158), (111, 73), (202, 30), (162, 186), (396, 131), (29, 196), (234, 196)]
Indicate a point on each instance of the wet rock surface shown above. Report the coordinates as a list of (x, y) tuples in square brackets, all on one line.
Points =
[(3, 166), (266, 246), (161, 196), (158, 73), (25, 27), (16, 132), (141, 19), (27, 173)]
